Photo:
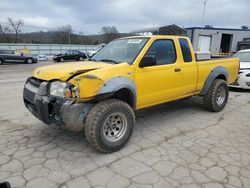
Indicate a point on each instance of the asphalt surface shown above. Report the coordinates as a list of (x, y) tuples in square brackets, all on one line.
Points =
[(178, 144)]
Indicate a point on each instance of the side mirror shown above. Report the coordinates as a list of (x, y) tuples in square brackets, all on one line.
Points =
[(147, 61)]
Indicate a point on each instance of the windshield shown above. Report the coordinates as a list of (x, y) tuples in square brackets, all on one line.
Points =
[(121, 50), (244, 56)]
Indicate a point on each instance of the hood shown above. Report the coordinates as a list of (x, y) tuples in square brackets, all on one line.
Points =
[(244, 65), (64, 71)]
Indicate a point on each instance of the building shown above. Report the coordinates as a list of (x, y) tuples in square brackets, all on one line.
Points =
[(244, 44), (161, 30), (217, 40)]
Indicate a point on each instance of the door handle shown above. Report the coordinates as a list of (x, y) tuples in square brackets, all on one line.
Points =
[(177, 70)]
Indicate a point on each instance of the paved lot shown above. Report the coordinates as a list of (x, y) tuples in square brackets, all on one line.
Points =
[(174, 145)]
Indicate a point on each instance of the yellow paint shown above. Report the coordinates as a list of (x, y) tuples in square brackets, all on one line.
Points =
[(155, 85), (24, 51)]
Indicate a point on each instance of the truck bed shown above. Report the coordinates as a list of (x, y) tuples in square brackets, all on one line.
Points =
[(205, 67)]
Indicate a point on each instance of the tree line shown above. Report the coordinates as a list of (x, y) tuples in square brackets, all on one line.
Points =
[(12, 33)]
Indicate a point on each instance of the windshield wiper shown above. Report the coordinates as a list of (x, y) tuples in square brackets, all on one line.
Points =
[(109, 60)]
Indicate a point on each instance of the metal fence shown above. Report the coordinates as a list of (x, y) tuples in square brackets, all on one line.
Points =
[(46, 49)]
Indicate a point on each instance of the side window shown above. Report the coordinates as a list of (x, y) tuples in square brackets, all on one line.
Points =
[(163, 51), (185, 48)]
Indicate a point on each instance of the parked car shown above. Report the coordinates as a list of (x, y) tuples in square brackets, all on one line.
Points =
[(243, 80), (128, 74), (42, 58), (12, 58), (71, 55)]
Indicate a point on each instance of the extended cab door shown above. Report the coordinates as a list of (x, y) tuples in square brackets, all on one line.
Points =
[(163, 81), (189, 68)]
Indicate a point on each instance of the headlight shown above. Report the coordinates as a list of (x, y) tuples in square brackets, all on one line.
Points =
[(60, 89)]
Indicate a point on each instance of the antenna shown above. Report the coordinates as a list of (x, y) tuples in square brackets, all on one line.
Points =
[(204, 10)]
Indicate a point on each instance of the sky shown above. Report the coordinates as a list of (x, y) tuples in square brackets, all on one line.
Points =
[(89, 16)]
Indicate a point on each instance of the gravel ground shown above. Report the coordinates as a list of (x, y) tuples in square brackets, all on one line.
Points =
[(177, 144)]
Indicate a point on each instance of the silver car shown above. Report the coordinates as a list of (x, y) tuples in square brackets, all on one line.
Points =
[(243, 80)]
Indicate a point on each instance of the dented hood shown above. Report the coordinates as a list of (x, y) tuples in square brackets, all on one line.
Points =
[(64, 71)]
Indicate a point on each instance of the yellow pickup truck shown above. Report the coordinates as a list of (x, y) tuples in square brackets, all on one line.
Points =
[(100, 96)]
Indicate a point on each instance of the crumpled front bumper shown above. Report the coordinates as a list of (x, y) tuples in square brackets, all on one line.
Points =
[(65, 113), (243, 80)]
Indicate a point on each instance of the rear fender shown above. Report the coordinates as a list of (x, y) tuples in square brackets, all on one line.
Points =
[(216, 72)]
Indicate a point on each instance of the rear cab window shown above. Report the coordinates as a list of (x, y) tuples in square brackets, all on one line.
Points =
[(186, 52)]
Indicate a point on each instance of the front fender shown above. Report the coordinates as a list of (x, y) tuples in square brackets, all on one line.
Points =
[(116, 84)]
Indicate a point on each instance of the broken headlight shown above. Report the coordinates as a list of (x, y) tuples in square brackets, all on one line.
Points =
[(60, 89)]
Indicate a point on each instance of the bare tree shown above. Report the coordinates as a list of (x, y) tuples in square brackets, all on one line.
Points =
[(4, 29), (16, 26), (4, 33), (110, 33), (63, 34)]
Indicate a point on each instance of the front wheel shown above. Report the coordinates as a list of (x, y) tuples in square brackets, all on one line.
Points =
[(217, 96), (1, 61), (29, 61), (109, 125)]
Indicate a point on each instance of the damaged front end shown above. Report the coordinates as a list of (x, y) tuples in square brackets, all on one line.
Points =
[(53, 102)]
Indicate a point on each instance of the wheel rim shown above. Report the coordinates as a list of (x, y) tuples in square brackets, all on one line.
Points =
[(81, 58), (61, 59), (115, 126), (1, 62), (220, 95), (29, 61)]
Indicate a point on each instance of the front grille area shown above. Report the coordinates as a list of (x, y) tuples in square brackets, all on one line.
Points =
[(35, 82), (29, 96), (30, 89)]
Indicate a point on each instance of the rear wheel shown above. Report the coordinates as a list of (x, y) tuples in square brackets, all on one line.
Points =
[(1, 61), (217, 96), (29, 61), (109, 125)]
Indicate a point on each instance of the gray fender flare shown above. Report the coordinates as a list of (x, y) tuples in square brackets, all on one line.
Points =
[(117, 83), (211, 77)]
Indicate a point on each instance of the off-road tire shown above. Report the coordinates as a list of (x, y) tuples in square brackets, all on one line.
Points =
[(210, 99), (96, 118)]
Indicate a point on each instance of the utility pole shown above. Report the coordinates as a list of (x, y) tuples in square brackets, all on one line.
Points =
[(69, 30), (204, 10), (202, 24), (99, 37)]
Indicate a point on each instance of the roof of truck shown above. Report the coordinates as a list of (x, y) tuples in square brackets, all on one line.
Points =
[(154, 36)]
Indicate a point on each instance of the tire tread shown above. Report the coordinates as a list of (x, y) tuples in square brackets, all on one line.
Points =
[(92, 120), (208, 99)]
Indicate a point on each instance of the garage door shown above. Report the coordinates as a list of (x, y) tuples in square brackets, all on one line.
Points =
[(204, 43)]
